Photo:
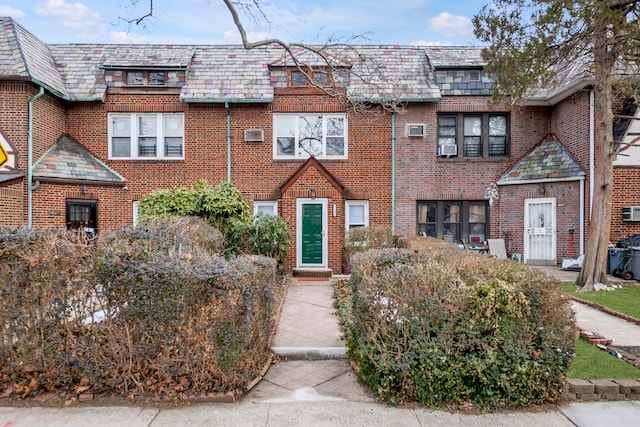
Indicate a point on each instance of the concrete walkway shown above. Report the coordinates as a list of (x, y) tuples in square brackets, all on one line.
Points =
[(312, 384), (622, 332)]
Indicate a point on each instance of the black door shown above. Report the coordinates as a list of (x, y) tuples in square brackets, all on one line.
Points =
[(82, 215)]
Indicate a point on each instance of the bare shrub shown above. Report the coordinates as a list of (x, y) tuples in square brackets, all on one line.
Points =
[(153, 310)]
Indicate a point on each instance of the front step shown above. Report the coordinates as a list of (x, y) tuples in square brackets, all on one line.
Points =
[(306, 272)]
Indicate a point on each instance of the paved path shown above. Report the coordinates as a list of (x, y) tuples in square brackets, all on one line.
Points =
[(622, 332)]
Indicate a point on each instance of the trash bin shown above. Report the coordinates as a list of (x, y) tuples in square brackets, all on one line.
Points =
[(614, 259), (635, 262)]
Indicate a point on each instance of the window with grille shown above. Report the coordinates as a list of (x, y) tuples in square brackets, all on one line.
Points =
[(474, 134)]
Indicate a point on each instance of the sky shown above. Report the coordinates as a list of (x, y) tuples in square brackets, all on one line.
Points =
[(403, 22)]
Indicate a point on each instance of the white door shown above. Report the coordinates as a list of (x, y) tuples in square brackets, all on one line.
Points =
[(540, 231)]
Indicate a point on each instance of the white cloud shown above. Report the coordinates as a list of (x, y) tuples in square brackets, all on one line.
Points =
[(72, 15), (429, 43), (451, 26), (128, 38), (233, 36), (12, 12)]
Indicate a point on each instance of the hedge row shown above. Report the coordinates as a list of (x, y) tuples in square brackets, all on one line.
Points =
[(440, 325), (153, 310)]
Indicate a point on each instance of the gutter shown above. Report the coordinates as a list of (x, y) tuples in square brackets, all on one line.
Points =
[(592, 147), (30, 157)]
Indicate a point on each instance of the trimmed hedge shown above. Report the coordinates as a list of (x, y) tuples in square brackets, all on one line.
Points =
[(439, 325), (150, 311)]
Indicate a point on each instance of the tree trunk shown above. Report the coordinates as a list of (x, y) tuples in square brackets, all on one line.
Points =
[(597, 246)]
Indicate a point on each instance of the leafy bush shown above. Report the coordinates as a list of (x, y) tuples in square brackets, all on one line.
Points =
[(268, 235), (219, 205), (450, 326), (151, 310)]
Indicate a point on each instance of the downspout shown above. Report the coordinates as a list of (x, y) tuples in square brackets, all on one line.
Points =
[(582, 203), (30, 158), (226, 106), (592, 147), (393, 172)]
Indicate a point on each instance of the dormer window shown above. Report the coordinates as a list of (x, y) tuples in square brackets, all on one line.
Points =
[(298, 79), (146, 78)]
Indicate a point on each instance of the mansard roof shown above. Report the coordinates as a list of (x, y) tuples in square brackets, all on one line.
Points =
[(548, 161), (68, 161)]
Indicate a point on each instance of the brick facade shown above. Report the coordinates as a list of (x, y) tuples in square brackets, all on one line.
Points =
[(221, 88)]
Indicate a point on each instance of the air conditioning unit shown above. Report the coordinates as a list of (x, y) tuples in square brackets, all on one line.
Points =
[(414, 129), (253, 135), (447, 150), (631, 213)]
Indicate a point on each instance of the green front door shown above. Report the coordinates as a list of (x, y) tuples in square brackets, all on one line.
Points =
[(312, 233)]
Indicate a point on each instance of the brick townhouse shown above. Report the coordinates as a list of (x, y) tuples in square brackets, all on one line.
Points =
[(103, 125)]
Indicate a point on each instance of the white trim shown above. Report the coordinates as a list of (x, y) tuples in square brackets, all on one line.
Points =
[(270, 203), (325, 245), (135, 213), (347, 219)]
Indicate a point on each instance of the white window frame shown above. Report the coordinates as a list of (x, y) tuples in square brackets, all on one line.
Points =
[(270, 203), (300, 154), (347, 220), (135, 213), (160, 134)]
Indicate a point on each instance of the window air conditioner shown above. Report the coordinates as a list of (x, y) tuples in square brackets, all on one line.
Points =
[(253, 135), (414, 129), (447, 150), (631, 213)]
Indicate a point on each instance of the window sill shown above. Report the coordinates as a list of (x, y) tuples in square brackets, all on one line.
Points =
[(145, 159), (320, 159), (497, 159)]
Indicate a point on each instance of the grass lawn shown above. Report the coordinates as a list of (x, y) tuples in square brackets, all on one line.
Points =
[(625, 300), (591, 363)]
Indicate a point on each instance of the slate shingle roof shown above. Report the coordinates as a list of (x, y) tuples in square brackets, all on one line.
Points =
[(233, 74), (549, 160), (455, 56), (23, 55), (68, 160)]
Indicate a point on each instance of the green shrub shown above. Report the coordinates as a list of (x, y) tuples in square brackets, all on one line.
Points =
[(267, 235), (219, 205), (450, 326)]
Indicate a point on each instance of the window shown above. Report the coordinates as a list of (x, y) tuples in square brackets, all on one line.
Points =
[(267, 208), (453, 221), (356, 214), (475, 135), (153, 136), (303, 136), (82, 214), (146, 78), (298, 78)]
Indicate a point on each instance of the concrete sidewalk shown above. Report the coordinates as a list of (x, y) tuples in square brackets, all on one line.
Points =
[(312, 384)]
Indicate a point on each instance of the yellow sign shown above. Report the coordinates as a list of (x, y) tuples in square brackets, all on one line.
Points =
[(4, 156)]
